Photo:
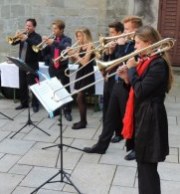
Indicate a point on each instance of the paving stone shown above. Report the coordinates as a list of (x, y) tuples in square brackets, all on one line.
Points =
[(91, 178), (18, 147), (116, 159), (123, 190), (7, 162), (48, 158), (4, 134), (169, 171), (121, 179), (8, 182), (168, 187), (20, 169), (39, 175)]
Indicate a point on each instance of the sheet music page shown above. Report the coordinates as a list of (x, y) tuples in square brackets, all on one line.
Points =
[(51, 94)]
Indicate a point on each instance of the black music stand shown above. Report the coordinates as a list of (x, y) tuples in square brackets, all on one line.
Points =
[(23, 66), (61, 171)]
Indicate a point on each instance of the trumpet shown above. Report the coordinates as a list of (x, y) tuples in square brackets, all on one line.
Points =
[(156, 48), (64, 54), (13, 39), (42, 45)]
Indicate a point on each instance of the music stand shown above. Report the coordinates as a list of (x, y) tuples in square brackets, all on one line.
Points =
[(51, 104), (23, 66)]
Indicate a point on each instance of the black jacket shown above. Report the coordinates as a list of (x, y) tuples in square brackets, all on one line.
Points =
[(32, 57), (151, 126)]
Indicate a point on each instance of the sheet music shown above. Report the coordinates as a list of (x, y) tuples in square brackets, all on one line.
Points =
[(51, 94)]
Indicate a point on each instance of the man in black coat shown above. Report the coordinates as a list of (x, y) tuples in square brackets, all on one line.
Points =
[(56, 69), (27, 40)]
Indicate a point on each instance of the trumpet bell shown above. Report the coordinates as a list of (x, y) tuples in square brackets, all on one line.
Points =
[(11, 39), (35, 48)]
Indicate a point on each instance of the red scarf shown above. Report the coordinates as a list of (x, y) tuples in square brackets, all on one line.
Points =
[(128, 120), (56, 54)]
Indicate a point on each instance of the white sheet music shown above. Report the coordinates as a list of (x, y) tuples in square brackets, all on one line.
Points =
[(51, 94)]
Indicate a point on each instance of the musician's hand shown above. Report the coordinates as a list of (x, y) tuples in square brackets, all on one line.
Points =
[(49, 41), (122, 72), (23, 37), (121, 41), (131, 63)]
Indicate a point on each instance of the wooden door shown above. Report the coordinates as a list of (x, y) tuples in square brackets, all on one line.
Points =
[(169, 25)]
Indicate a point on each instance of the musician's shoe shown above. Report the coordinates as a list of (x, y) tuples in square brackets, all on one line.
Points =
[(35, 109), (94, 150), (68, 116), (79, 125), (130, 156), (116, 139), (21, 107)]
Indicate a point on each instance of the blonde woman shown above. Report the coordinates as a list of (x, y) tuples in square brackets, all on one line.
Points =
[(84, 57)]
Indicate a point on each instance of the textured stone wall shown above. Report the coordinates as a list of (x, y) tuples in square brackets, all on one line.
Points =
[(94, 14)]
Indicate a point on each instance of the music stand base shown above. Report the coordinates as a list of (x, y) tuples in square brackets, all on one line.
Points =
[(6, 116), (63, 175), (29, 122)]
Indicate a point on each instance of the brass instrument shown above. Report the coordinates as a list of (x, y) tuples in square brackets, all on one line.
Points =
[(104, 41), (42, 45), (13, 39), (156, 48), (64, 54)]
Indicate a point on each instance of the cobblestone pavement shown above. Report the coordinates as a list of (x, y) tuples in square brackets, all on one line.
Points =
[(24, 165)]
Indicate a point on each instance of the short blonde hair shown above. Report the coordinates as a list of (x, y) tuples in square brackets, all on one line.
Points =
[(135, 20)]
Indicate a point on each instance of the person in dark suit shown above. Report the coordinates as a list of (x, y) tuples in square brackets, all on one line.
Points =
[(56, 45), (26, 41), (119, 95), (150, 78)]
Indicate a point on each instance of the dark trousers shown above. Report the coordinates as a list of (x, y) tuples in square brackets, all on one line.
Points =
[(25, 80), (59, 73), (148, 178), (114, 114), (107, 91)]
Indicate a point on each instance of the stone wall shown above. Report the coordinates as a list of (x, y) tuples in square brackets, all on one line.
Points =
[(76, 13)]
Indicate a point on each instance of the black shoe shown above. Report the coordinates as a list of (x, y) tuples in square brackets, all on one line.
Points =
[(116, 139), (68, 116), (21, 107), (94, 149), (130, 156), (79, 125), (35, 109)]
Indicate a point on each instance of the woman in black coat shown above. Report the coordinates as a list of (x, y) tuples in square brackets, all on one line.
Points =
[(150, 79)]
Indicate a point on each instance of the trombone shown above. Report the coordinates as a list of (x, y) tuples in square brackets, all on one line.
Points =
[(103, 40), (13, 39), (42, 45), (154, 49)]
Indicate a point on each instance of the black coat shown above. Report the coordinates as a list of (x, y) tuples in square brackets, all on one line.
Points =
[(151, 126)]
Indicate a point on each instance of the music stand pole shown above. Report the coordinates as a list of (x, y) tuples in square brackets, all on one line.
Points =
[(61, 171)]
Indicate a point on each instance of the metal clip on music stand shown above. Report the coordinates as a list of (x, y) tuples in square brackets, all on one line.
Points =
[(23, 66)]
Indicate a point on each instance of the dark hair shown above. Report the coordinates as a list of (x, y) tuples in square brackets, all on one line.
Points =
[(59, 23), (118, 26), (33, 21)]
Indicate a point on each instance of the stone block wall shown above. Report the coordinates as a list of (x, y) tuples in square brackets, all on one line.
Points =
[(76, 13)]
